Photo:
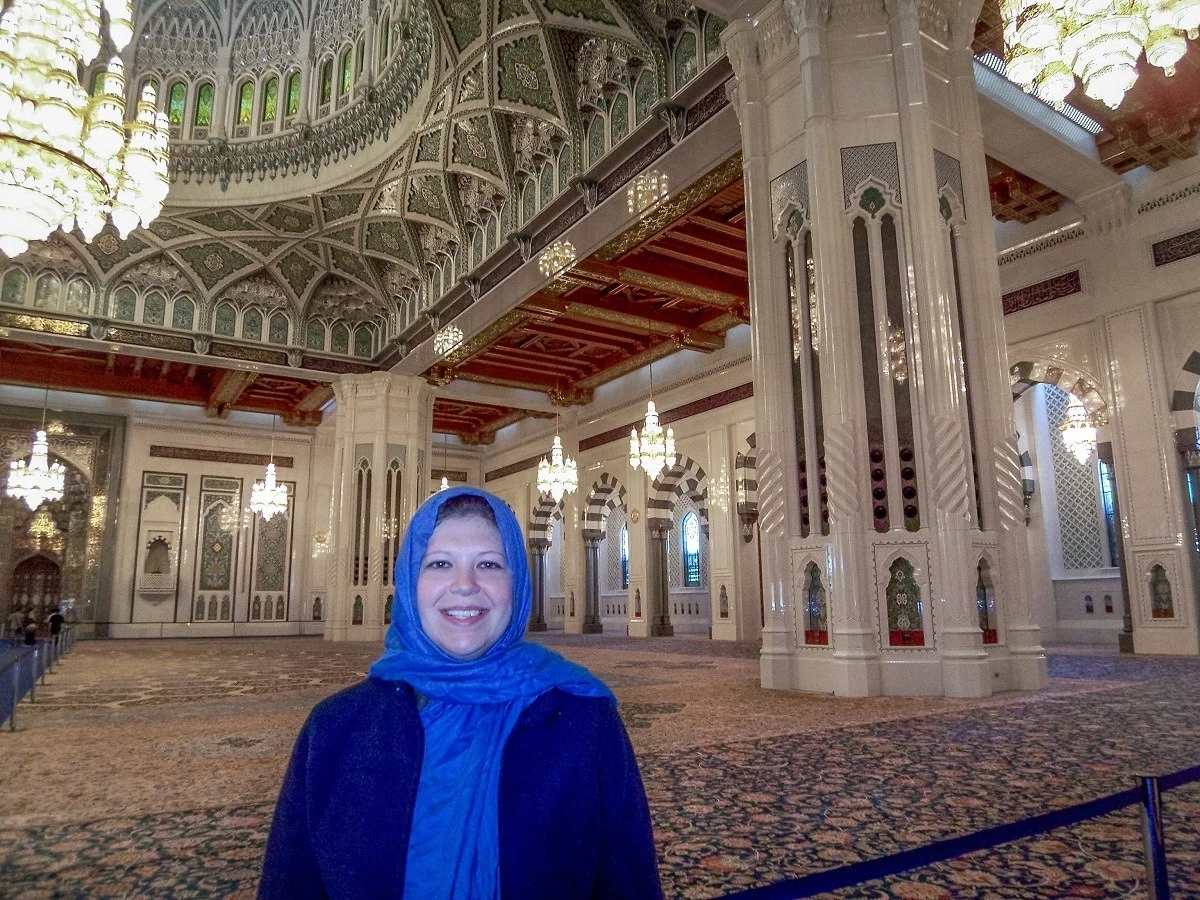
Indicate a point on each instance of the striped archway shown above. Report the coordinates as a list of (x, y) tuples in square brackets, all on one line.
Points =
[(684, 479), (1026, 374), (542, 520), (606, 494), (745, 478), (1183, 393)]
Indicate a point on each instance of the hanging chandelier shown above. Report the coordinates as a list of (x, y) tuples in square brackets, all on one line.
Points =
[(1078, 431), (67, 159), (269, 498), (647, 191), (557, 258), (1048, 45), (39, 480), (559, 474), (447, 339), (654, 449)]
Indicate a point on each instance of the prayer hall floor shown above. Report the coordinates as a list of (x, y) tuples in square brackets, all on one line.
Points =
[(148, 769)]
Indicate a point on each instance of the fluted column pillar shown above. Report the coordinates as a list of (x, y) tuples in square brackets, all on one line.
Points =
[(660, 583), (591, 576), (537, 561)]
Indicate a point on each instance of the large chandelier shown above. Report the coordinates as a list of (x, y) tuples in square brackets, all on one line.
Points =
[(557, 258), (269, 498), (447, 339), (39, 480), (559, 474), (1078, 431), (1048, 45), (67, 159), (648, 190), (654, 449)]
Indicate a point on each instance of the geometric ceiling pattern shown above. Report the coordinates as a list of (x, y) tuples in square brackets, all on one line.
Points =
[(676, 280)]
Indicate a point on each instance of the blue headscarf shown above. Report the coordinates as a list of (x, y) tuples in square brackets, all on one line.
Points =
[(472, 708)]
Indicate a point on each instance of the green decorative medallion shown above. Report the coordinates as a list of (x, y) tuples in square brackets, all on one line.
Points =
[(167, 230), (872, 201), (462, 17), (109, 250), (214, 261), (344, 236), (224, 220), (511, 9), (289, 220), (429, 146), (426, 198), (388, 239), (350, 264), (523, 76), (297, 270), (338, 206), (473, 145), (263, 246)]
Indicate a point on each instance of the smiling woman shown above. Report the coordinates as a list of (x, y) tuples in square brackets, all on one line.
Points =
[(470, 764)]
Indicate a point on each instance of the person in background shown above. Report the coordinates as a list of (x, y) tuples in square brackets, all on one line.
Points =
[(471, 764), (56, 623), (15, 624), (30, 626)]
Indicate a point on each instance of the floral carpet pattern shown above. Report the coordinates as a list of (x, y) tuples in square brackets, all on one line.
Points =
[(148, 769)]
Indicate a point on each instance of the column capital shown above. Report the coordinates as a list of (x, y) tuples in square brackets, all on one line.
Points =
[(741, 47)]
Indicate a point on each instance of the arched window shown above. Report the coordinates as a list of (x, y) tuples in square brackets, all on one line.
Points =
[(245, 103), (360, 57), (79, 297), (326, 81), (124, 304), (47, 293), (340, 339), (293, 94), (364, 339), (344, 72), (314, 336), (624, 556), (385, 35), (270, 106), (690, 537), (176, 101), (277, 330), (13, 288), (202, 118), (225, 320), (183, 313), (154, 309), (252, 325), (1109, 509)]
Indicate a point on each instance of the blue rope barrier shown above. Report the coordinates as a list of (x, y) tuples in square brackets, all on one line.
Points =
[(940, 851)]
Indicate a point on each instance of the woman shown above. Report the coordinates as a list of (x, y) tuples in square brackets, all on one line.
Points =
[(470, 764)]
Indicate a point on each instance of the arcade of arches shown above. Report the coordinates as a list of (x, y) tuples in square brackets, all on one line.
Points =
[(880, 278)]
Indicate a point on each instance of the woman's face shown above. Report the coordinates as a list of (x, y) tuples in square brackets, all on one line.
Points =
[(464, 588)]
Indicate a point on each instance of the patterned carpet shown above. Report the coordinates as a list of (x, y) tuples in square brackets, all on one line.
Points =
[(149, 768)]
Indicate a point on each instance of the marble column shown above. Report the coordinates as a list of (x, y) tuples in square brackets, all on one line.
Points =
[(537, 562), (383, 427), (659, 587), (591, 576), (882, 483)]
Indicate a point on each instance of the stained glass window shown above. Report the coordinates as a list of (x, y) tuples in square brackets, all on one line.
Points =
[(293, 94), (344, 68), (341, 338), (252, 325), (176, 101), (385, 33), (154, 309), (183, 313), (361, 56), (245, 103), (1107, 498), (314, 337), (363, 341), (225, 321), (624, 556), (204, 104), (270, 100), (691, 549), (79, 297), (124, 304), (277, 332), (13, 289), (326, 80)]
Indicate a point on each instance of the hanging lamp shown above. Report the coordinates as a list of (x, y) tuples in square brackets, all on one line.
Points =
[(38, 480), (653, 449), (1078, 431), (559, 474), (269, 498)]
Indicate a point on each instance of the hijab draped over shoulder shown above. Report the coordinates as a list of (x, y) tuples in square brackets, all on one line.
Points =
[(471, 708)]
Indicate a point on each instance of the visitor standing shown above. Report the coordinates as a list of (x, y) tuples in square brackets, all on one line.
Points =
[(471, 764)]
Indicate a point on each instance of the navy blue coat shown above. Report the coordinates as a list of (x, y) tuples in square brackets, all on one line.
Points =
[(574, 822)]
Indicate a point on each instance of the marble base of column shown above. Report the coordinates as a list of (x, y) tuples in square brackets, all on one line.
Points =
[(573, 626), (1029, 669), (538, 626), (966, 669), (593, 628), (1125, 641), (639, 628), (855, 664), (662, 629), (777, 670)]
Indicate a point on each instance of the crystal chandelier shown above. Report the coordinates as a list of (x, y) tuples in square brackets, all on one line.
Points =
[(269, 498), (647, 191), (557, 258), (39, 480), (67, 159), (1048, 45), (447, 339), (654, 449), (1078, 431), (559, 474)]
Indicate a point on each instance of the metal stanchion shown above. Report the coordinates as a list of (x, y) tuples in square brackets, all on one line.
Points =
[(1157, 886), (12, 720), (33, 676)]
